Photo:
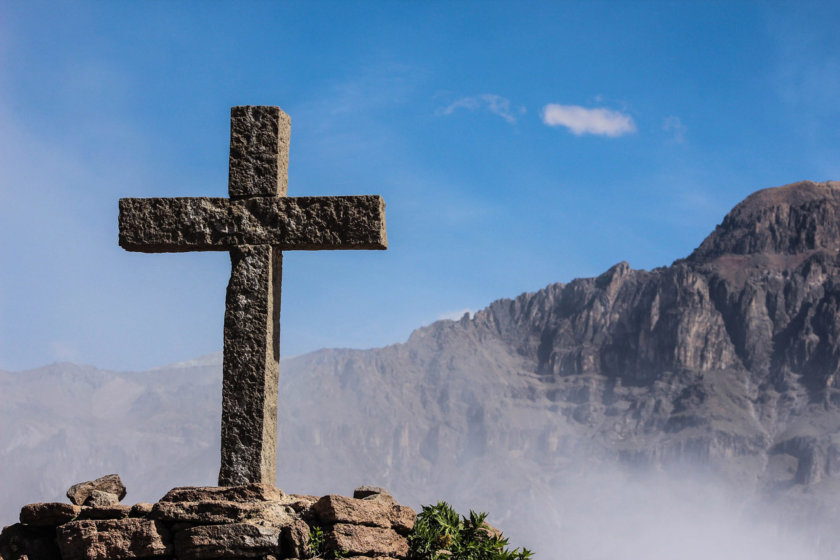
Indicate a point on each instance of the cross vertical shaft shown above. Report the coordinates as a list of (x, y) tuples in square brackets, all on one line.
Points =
[(250, 366), (259, 160)]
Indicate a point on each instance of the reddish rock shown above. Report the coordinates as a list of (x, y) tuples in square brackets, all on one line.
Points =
[(402, 519), (358, 540), (294, 540), (113, 539), (339, 509), (48, 514)]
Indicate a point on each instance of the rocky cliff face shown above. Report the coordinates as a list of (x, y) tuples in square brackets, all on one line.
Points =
[(726, 361), (723, 363)]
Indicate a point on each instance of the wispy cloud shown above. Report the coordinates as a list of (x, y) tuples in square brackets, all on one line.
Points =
[(676, 127), (491, 102), (580, 120)]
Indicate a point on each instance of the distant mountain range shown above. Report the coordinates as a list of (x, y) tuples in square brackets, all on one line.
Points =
[(719, 371)]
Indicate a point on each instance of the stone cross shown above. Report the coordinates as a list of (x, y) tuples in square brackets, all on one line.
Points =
[(256, 224)]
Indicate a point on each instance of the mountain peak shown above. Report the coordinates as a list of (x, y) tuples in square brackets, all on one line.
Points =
[(791, 219)]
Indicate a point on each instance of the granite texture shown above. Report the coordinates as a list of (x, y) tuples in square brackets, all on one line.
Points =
[(259, 151), (251, 355), (309, 223)]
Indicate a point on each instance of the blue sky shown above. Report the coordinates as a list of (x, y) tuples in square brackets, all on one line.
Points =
[(516, 144)]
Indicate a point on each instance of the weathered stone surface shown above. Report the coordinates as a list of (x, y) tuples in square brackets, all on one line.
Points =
[(259, 151), (106, 512), (141, 509), (251, 355), (247, 493), (81, 492), (239, 540), (48, 514), (301, 502), (23, 542), (294, 540), (98, 498), (155, 225), (366, 541), (796, 218), (402, 519), (366, 491), (113, 540), (339, 509), (209, 513)]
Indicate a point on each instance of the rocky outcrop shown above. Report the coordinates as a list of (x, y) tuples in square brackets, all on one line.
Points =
[(727, 360), (197, 523)]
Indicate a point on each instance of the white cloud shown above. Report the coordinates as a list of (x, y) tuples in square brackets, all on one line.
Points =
[(496, 104), (676, 127), (580, 120)]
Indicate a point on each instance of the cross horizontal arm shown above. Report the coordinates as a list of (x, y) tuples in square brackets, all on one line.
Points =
[(173, 225)]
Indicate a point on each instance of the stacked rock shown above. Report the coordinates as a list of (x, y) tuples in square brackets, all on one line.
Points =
[(196, 523)]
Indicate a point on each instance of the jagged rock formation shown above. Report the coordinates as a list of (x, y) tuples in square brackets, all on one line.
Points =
[(194, 523), (726, 361)]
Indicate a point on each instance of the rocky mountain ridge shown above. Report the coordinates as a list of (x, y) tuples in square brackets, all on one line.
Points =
[(724, 363)]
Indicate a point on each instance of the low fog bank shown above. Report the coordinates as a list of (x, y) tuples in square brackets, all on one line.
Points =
[(607, 512), (613, 515), (160, 429)]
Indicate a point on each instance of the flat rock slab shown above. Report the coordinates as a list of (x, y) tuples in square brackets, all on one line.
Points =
[(216, 513), (49, 514), (108, 512), (339, 509), (113, 540), (366, 491), (358, 540), (246, 493), (238, 540)]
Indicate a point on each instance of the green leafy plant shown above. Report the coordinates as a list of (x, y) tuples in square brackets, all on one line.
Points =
[(318, 545), (441, 534), (316, 542)]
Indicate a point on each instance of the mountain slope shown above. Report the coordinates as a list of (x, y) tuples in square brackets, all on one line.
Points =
[(721, 367)]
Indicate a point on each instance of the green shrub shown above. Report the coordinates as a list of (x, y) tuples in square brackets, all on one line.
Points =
[(441, 534)]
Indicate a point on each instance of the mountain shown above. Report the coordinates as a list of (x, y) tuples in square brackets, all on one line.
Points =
[(606, 406)]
